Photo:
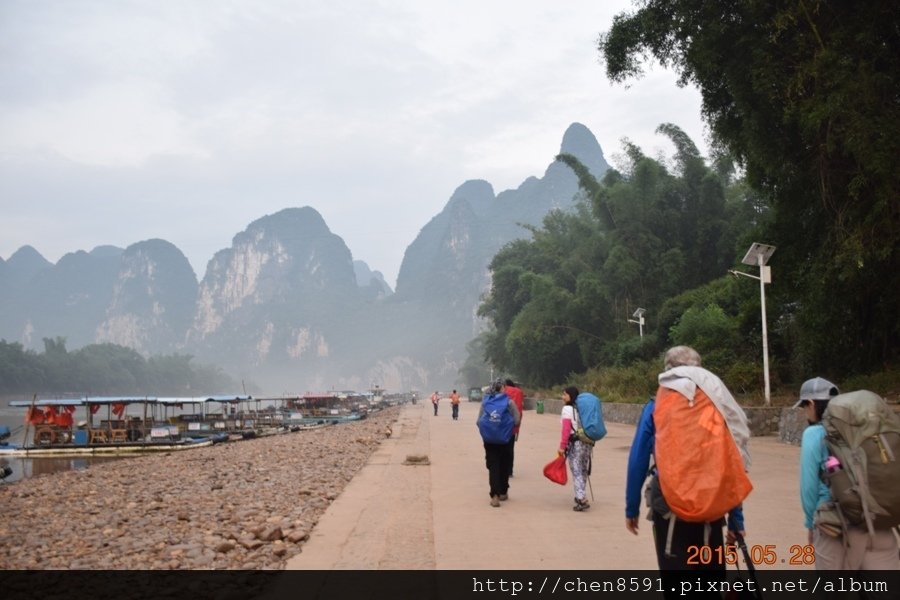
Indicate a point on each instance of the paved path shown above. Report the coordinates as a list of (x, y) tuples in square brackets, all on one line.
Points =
[(437, 516)]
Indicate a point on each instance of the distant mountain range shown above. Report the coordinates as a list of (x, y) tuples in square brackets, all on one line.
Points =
[(286, 306)]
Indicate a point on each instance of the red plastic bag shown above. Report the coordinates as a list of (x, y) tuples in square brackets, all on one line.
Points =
[(555, 470)]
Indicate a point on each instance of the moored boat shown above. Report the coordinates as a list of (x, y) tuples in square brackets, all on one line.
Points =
[(51, 430), (310, 410)]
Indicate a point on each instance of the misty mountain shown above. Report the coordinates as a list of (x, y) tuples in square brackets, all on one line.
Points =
[(15, 276), (286, 306), (445, 270), (25, 263), (153, 297), (67, 299), (275, 293), (372, 282)]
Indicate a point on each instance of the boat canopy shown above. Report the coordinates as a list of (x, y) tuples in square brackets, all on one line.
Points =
[(86, 400), (201, 399)]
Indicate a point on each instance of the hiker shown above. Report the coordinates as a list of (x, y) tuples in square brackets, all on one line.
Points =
[(515, 394), (496, 418), (686, 387), (577, 451), (435, 398), (837, 543), (454, 404)]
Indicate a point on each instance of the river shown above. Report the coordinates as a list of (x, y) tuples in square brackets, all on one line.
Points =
[(22, 467)]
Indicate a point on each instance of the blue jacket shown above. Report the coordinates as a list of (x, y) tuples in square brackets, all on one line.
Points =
[(642, 448), (813, 491)]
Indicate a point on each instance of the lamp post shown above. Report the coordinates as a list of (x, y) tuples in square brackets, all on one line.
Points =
[(638, 317), (758, 255)]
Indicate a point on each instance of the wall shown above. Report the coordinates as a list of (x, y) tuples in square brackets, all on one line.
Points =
[(786, 423), (762, 420)]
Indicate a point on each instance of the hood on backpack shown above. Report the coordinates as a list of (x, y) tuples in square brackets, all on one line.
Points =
[(686, 379)]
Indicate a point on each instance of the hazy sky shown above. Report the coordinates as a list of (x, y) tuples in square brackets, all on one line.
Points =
[(122, 121)]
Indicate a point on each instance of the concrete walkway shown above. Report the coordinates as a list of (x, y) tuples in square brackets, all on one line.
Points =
[(394, 515)]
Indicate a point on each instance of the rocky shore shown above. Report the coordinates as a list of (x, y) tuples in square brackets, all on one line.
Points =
[(240, 505)]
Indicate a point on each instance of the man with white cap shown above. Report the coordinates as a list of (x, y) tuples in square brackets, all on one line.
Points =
[(836, 544)]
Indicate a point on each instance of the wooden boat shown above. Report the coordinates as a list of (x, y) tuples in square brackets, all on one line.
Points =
[(51, 430), (323, 409), (221, 418)]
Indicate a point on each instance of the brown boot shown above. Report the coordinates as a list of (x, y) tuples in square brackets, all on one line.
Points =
[(495, 501)]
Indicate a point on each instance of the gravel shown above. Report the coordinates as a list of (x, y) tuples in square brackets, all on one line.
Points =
[(241, 505)]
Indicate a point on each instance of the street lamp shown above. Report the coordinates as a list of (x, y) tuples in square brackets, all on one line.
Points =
[(758, 255), (639, 319)]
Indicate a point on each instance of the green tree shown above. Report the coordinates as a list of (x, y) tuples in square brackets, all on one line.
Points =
[(476, 371), (709, 331), (19, 368), (104, 369), (559, 303), (804, 96), (109, 368)]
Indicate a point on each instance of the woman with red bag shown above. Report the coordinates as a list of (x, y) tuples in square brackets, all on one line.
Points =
[(578, 452)]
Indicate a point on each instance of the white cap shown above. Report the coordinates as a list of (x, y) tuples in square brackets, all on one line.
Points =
[(816, 389)]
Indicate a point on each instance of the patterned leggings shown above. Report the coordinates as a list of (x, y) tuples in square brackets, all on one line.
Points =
[(579, 462)]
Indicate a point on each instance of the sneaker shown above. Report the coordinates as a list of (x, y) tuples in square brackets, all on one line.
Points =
[(495, 501), (580, 505), (504, 496)]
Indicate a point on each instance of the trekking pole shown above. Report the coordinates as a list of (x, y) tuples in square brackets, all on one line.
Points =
[(751, 570), (590, 465)]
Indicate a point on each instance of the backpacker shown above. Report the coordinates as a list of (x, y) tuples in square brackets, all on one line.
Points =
[(863, 433), (700, 445), (496, 423), (590, 418)]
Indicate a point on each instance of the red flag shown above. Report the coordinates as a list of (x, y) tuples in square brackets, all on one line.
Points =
[(64, 420), (118, 409), (35, 416), (94, 408)]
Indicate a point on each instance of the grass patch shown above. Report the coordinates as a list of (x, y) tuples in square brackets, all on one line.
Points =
[(638, 381)]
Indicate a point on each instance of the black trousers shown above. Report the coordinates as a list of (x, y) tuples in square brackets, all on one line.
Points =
[(498, 460), (686, 557)]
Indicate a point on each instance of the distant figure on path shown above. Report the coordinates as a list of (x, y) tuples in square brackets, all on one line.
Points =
[(435, 398), (515, 394), (454, 403)]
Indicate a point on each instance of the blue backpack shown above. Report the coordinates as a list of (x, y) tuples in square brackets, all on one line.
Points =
[(496, 423), (590, 418)]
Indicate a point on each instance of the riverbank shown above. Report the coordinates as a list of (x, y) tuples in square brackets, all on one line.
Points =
[(243, 505)]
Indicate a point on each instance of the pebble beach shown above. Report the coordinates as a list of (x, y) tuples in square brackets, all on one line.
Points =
[(240, 505)]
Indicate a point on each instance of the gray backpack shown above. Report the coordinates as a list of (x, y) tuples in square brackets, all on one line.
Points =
[(863, 432)]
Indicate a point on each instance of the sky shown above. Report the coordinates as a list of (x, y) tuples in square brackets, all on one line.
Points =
[(128, 120)]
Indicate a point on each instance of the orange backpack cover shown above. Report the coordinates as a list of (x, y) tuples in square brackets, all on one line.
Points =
[(701, 473)]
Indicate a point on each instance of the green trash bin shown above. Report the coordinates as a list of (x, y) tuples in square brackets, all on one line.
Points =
[(539, 407)]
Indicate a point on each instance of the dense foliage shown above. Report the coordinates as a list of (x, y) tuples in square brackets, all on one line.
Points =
[(560, 303), (802, 98), (804, 95), (103, 369)]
